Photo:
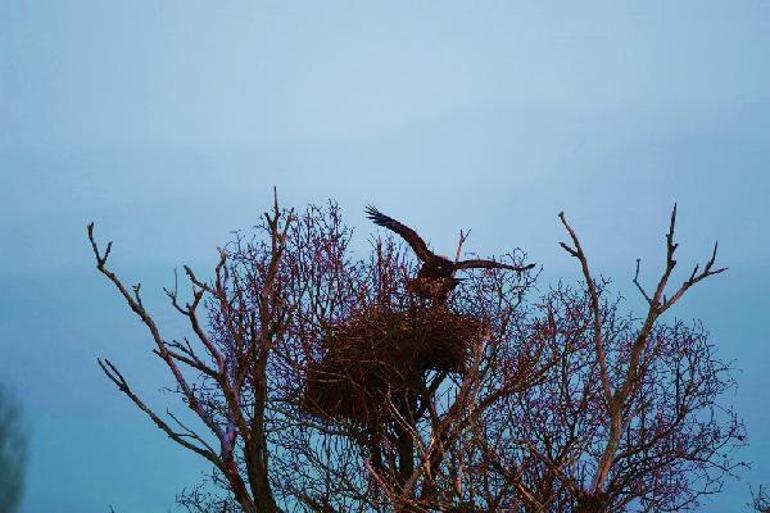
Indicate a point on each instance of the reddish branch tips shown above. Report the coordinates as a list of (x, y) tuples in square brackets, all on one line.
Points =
[(622, 386), (318, 381)]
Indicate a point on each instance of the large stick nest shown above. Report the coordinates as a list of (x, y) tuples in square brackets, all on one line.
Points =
[(381, 356)]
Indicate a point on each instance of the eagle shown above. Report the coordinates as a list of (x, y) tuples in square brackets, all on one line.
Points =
[(436, 277)]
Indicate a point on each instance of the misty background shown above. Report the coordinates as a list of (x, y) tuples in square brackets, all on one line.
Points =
[(169, 122)]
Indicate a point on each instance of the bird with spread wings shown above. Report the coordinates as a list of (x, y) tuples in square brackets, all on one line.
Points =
[(436, 278)]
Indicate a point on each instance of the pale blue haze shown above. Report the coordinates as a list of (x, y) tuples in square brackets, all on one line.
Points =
[(168, 123)]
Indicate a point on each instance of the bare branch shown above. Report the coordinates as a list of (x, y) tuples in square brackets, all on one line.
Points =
[(577, 252), (694, 278), (639, 285), (116, 377), (461, 241)]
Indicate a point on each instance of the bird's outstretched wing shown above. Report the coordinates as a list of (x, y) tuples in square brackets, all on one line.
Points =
[(409, 235), (490, 264)]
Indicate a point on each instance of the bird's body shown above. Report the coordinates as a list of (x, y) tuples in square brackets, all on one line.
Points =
[(436, 277), (432, 288)]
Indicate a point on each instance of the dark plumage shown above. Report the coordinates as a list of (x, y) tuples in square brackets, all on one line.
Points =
[(436, 277)]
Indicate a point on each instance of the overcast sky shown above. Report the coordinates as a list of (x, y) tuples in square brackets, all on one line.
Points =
[(169, 122)]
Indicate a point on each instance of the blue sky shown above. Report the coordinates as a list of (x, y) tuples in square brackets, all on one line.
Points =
[(168, 123)]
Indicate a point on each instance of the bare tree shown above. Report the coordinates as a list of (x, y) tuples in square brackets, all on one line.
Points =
[(13, 454), (321, 383), (630, 418), (229, 358)]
